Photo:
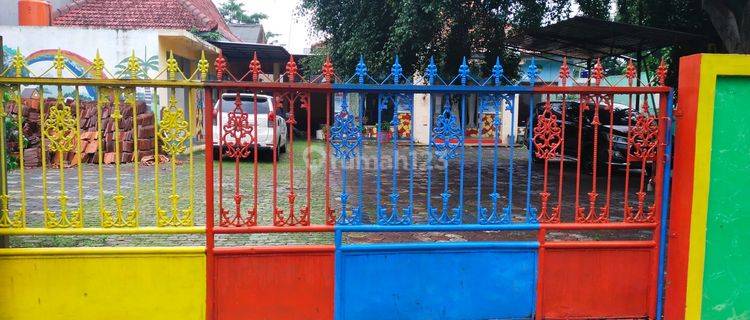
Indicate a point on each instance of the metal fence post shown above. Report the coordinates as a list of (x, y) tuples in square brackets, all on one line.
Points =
[(4, 239)]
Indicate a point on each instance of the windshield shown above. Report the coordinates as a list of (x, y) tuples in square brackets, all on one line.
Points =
[(227, 104), (571, 113), (620, 117)]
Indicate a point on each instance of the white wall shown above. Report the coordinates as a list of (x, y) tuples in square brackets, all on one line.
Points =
[(9, 12), (79, 45)]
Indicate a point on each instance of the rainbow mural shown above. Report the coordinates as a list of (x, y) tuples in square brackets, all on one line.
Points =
[(73, 61)]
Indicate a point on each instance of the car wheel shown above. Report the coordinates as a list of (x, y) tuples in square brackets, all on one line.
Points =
[(282, 149), (215, 153), (536, 160)]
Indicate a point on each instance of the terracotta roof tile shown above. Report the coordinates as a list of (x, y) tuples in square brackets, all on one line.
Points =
[(144, 14)]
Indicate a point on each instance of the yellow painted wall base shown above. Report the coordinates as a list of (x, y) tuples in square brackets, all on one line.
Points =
[(102, 283)]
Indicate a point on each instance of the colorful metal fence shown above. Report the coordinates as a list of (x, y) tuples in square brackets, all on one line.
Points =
[(266, 277), (88, 134), (61, 135), (531, 277), (566, 226)]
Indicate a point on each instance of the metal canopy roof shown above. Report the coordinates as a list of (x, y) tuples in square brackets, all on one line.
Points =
[(242, 50), (588, 38)]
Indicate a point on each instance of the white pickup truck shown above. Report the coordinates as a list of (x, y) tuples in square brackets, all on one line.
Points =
[(248, 102)]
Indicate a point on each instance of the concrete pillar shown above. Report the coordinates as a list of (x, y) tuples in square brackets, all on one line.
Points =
[(421, 116), (506, 123)]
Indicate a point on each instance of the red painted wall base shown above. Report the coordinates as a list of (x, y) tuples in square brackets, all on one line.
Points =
[(596, 283), (274, 282)]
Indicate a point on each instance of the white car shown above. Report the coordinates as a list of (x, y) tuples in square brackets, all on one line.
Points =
[(266, 138)]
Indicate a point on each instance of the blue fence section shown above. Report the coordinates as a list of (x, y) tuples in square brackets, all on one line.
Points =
[(395, 204), (479, 280), (464, 280), (450, 184)]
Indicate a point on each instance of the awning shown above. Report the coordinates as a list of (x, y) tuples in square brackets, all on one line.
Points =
[(589, 38), (242, 50)]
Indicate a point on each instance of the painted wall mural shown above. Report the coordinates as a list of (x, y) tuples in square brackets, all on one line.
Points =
[(76, 65)]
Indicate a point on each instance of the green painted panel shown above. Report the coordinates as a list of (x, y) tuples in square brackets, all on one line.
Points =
[(726, 280)]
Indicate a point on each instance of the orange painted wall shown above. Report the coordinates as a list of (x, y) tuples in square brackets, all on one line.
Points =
[(682, 188)]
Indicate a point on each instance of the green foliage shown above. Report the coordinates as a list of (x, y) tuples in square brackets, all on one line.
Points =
[(680, 15), (385, 126), (206, 35), (451, 29), (417, 30), (11, 134), (313, 64), (270, 35), (234, 12)]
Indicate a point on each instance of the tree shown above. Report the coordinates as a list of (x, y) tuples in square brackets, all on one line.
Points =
[(234, 12), (212, 35), (417, 30), (452, 29), (270, 35), (731, 18)]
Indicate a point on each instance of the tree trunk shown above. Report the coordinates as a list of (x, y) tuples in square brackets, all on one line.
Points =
[(732, 26)]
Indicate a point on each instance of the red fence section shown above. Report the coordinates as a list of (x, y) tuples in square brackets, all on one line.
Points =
[(254, 125)]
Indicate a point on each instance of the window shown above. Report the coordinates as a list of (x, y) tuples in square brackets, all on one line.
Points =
[(227, 104)]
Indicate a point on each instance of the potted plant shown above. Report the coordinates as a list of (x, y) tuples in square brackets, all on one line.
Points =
[(322, 133), (385, 134)]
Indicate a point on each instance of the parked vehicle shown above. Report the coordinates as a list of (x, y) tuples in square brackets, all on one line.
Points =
[(248, 103), (618, 124)]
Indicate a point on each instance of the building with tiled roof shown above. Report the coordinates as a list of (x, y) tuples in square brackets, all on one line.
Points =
[(201, 15), (250, 33)]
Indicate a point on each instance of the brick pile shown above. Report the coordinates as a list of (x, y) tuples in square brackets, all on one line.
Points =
[(128, 146), (88, 125), (32, 156)]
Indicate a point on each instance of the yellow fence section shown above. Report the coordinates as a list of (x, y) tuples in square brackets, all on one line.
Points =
[(102, 283), (89, 189)]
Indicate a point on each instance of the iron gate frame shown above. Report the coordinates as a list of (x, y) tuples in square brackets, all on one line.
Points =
[(361, 83), (293, 88)]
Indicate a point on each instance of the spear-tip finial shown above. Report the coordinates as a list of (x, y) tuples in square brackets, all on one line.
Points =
[(59, 63), (463, 71), (291, 69), (172, 67), (220, 64), (134, 66), (661, 72), (255, 67), (630, 72), (203, 65), (564, 72), (97, 66), (361, 69), (396, 70), (598, 73), (497, 71), (532, 71), (18, 62), (431, 71), (328, 70)]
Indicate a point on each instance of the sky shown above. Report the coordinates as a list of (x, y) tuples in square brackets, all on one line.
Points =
[(294, 31)]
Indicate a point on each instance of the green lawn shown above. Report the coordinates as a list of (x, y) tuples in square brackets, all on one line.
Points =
[(147, 199)]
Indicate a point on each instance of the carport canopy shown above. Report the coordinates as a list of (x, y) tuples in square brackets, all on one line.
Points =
[(588, 38)]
